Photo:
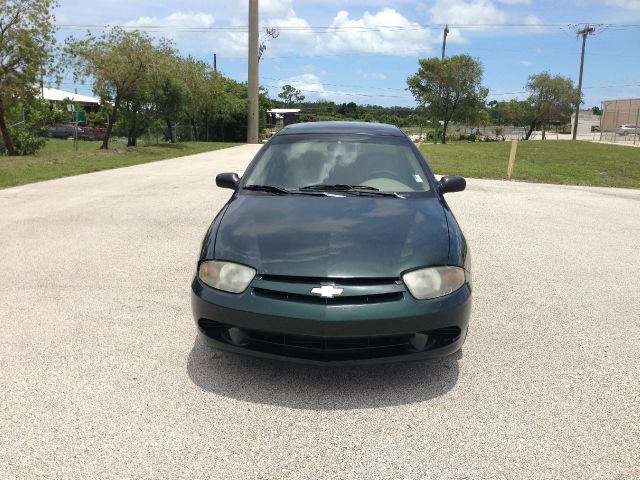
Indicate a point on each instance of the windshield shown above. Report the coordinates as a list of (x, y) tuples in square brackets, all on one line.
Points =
[(384, 163)]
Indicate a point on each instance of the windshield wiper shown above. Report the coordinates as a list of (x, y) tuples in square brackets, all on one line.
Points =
[(362, 190), (342, 187), (280, 190), (267, 188)]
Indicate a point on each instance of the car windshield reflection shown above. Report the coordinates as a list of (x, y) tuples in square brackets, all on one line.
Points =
[(331, 162)]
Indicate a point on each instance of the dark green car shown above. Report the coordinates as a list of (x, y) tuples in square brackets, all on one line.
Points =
[(337, 246)]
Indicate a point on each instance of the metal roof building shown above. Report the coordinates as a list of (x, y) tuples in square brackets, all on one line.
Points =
[(57, 96)]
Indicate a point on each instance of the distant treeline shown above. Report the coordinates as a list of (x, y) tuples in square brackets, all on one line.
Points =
[(326, 110)]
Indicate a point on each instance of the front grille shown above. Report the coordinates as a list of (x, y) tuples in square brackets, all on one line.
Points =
[(211, 325), (328, 344), (443, 336), (315, 299), (355, 291), (329, 348)]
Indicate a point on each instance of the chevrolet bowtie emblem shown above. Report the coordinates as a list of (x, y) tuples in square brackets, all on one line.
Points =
[(327, 291)]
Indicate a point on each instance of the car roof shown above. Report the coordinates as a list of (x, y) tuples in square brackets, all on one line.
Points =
[(342, 127)]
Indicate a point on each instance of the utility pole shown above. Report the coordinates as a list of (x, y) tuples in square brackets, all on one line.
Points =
[(444, 40), (42, 79), (254, 45), (444, 47), (215, 62), (587, 30)]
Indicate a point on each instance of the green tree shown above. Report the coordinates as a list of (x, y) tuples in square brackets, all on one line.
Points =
[(170, 100), (160, 98), (450, 88), (215, 106), (551, 98), (513, 112), (290, 94), (124, 66), (30, 132), (26, 42), (194, 75), (228, 108)]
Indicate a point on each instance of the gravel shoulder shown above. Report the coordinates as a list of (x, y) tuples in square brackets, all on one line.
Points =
[(102, 375)]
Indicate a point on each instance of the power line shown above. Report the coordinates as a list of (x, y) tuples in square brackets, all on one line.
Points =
[(496, 92), (554, 51), (346, 28)]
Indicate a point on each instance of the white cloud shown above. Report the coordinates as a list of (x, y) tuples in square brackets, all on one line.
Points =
[(234, 44), (295, 33), (175, 21), (61, 18), (526, 63), (467, 12), (629, 4), (312, 88), (178, 19), (267, 8), (477, 13), (534, 22), (307, 83), (386, 32), (301, 39), (275, 8), (371, 75), (371, 34)]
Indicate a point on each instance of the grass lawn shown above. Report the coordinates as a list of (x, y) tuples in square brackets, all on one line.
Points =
[(551, 161), (57, 159)]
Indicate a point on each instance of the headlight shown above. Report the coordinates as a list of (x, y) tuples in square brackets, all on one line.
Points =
[(226, 276), (433, 282)]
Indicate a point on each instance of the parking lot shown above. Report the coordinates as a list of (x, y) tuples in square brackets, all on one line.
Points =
[(102, 375)]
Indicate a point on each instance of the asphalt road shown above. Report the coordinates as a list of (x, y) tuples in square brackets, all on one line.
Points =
[(101, 375)]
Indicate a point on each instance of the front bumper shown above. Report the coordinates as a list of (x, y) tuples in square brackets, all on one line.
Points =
[(337, 334)]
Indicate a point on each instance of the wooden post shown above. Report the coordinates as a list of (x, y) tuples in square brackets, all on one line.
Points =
[(512, 158)]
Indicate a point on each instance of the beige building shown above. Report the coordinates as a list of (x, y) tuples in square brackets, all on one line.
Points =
[(620, 112)]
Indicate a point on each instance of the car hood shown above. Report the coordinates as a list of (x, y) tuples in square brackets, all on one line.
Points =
[(317, 236)]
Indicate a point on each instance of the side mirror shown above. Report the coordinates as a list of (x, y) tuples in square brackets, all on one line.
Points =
[(452, 184), (227, 180)]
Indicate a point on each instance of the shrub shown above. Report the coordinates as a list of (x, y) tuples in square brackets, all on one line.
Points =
[(469, 138), (98, 119), (24, 142)]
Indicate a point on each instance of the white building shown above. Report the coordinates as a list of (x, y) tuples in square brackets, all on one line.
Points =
[(54, 95), (587, 122)]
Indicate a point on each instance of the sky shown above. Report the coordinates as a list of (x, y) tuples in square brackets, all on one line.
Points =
[(363, 51)]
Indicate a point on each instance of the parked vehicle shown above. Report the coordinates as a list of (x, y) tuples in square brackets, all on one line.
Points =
[(62, 130), (628, 129), (337, 246), (68, 130)]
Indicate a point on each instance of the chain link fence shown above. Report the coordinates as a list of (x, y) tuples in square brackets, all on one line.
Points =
[(496, 132), (621, 121)]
